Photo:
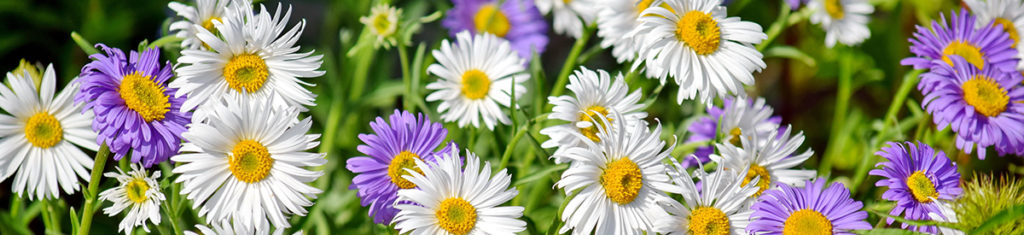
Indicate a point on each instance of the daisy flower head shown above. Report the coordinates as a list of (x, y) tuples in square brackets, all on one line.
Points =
[(695, 42), (137, 192), (844, 21), (594, 93), (457, 198), (383, 22), (985, 46), (393, 148), (616, 181), (203, 14), (517, 21), (247, 164), (812, 209), (917, 177), (569, 16), (984, 106), (135, 110), (253, 56), (769, 158), (41, 134), (728, 123), (477, 73), (616, 21), (1007, 15), (719, 207)]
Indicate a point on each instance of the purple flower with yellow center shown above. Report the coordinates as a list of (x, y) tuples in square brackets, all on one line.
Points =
[(984, 46), (391, 152), (518, 21), (812, 209), (917, 176), (984, 107), (134, 109)]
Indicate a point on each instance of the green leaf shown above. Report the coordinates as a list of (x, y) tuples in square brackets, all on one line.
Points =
[(1004, 217), (74, 220), (540, 175), (789, 52), (84, 44)]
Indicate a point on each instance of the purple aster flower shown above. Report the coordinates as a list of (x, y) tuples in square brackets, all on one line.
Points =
[(390, 150), (134, 108), (518, 21), (985, 45), (916, 176), (984, 107), (706, 128), (808, 210)]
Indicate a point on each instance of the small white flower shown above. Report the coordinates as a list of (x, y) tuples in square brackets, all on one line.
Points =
[(844, 21), (203, 14), (719, 207), (40, 136), (137, 192), (741, 114), (1005, 14), (450, 199), (383, 22), (616, 22), (477, 73), (768, 157), (570, 16)]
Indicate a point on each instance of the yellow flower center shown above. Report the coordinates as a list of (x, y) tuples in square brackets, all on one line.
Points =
[(985, 95), (806, 222), (250, 161), (144, 96), (1008, 27), (921, 187), (136, 189), (834, 9), (644, 4), (208, 24), (246, 73), (699, 31), (475, 84), (456, 215), (972, 54), (708, 221), (592, 117), (622, 180), (397, 168), (43, 130), (734, 137), (490, 19), (763, 183), (381, 25)]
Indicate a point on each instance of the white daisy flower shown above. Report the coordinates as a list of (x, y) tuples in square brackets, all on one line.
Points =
[(617, 181), (771, 159), (1005, 14), (203, 14), (844, 21), (616, 21), (137, 192), (946, 214), (451, 199), (742, 114), (695, 42), (594, 93), (227, 228), (477, 73), (719, 207), (247, 164), (40, 136), (383, 22), (570, 16), (253, 56)]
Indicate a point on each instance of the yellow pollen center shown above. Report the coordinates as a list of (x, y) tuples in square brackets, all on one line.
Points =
[(644, 4), (921, 187), (708, 221), (490, 19), (246, 73), (592, 117), (699, 31), (456, 215), (43, 130), (834, 9), (397, 168), (1009, 29), (381, 24), (144, 96), (972, 54), (985, 95), (734, 137), (807, 222), (250, 161), (622, 180), (208, 24), (475, 84), (136, 189), (763, 183)]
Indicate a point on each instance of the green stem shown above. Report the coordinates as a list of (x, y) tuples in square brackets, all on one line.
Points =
[(16, 205), (839, 114), (512, 145), (93, 189), (570, 63), (776, 28), (165, 40), (403, 57), (85, 45), (47, 220)]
